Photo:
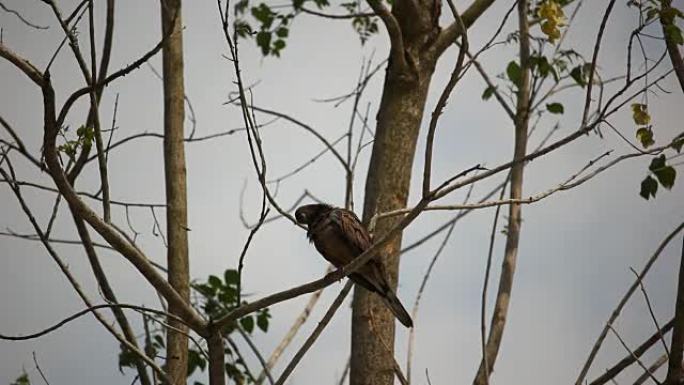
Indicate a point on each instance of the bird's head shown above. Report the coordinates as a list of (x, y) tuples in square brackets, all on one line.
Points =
[(308, 214)]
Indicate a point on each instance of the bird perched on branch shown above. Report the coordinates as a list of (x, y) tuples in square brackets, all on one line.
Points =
[(340, 237)]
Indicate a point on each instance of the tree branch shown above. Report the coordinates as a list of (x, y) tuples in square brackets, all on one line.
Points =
[(674, 369), (623, 302)]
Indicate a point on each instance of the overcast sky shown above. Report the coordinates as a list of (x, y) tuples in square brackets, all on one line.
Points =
[(576, 247)]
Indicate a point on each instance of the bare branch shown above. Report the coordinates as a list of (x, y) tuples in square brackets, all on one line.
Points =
[(258, 355), (22, 64), (336, 17), (316, 333), (90, 309), (631, 358), (441, 103), (650, 311), (660, 361), (449, 34), (632, 354), (623, 302), (40, 371), (23, 20), (307, 128), (289, 336)]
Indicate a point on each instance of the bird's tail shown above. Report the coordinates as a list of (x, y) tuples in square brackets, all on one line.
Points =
[(393, 303)]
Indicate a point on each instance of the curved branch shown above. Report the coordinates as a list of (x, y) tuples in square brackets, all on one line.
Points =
[(80, 314), (441, 103), (24, 65), (449, 34), (394, 32)]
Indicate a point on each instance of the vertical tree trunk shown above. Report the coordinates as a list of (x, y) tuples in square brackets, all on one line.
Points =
[(514, 211), (176, 194), (387, 187)]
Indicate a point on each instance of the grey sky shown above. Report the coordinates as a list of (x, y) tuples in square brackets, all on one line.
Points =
[(575, 251)]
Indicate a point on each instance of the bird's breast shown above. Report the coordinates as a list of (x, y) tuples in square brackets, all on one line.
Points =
[(333, 246)]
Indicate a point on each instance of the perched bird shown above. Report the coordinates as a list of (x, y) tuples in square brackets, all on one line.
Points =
[(340, 237)]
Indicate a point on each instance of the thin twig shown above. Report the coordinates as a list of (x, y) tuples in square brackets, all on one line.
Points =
[(650, 310), (623, 302), (40, 371), (257, 354), (629, 359), (317, 332), (632, 354)]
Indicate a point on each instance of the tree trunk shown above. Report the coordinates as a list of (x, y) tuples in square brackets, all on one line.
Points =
[(176, 194), (387, 187)]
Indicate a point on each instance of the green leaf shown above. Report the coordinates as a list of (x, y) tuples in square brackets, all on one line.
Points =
[(282, 32), (242, 28), (241, 7), (651, 14), (555, 108), (278, 45), (263, 39), (159, 340), (674, 34), (578, 75), (657, 163), (247, 323), (215, 281), (22, 380), (645, 136), (649, 187), (514, 73), (205, 290), (262, 320), (264, 15), (678, 142), (232, 277), (488, 92), (234, 373), (195, 360), (126, 358), (666, 174)]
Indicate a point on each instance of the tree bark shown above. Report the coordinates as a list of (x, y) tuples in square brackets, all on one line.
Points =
[(387, 186), (675, 373), (667, 19), (176, 192), (503, 296), (217, 375)]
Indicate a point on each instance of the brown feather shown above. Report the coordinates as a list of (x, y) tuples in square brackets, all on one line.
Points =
[(340, 237)]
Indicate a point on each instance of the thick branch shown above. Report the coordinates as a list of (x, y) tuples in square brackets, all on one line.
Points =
[(394, 32), (24, 65), (667, 17), (449, 34)]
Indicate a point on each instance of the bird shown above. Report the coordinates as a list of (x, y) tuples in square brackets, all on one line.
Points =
[(339, 237)]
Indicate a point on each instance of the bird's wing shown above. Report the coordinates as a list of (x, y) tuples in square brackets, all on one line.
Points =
[(351, 229)]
